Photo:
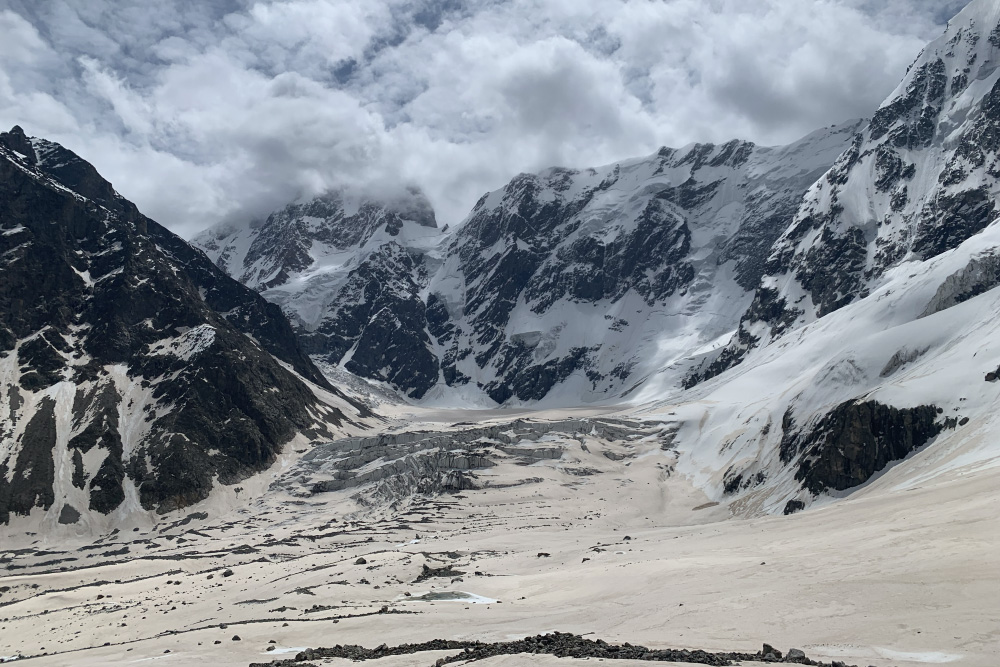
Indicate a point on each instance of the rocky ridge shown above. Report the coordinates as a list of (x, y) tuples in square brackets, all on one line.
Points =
[(134, 374)]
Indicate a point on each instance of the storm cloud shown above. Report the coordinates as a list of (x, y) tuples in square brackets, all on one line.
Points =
[(210, 111)]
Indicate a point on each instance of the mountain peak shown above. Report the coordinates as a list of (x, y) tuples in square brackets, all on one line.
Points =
[(413, 205), (17, 140), (303, 235)]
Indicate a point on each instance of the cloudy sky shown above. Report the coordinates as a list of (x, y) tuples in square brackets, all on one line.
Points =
[(204, 111)]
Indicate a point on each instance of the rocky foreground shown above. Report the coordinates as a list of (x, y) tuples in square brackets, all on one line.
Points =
[(559, 644)]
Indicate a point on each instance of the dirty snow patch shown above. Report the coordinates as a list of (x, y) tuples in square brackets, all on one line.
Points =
[(187, 345)]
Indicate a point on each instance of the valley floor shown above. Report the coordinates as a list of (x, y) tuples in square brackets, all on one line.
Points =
[(607, 541)]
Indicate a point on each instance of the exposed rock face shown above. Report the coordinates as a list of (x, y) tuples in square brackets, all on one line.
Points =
[(567, 277), (591, 259), (854, 441), (920, 180), (377, 324), (979, 276), (129, 364)]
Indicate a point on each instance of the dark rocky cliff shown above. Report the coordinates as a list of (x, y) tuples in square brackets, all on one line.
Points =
[(131, 365)]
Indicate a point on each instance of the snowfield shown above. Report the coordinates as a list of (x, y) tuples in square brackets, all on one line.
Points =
[(901, 573)]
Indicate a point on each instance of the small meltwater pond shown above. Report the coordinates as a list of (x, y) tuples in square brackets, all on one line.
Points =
[(449, 596), (286, 650)]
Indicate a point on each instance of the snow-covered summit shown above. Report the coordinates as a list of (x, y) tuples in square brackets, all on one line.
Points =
[(308, 237), (348, 270)]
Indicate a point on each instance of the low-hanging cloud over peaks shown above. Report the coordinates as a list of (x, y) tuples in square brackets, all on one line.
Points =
[(203, 112)]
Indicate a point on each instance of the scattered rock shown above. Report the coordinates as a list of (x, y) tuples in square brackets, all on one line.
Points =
[(446, 572), (795, 655)]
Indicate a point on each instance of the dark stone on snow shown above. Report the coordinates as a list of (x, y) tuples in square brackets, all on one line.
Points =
[(793, 506), (68, 515), (796, 655), (446, 572)]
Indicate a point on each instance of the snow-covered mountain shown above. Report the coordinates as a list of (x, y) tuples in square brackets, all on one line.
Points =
[(134, 374), (917, 182), (872, 332), (350, 273), (589, 281), (810, 315)]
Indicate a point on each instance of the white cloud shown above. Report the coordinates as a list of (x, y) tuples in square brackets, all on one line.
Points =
[(204, 111)]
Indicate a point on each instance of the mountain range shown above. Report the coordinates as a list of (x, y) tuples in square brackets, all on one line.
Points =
[(563, 287), (809, 314)]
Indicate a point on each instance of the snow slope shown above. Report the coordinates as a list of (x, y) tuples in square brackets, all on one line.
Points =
[(918, 181), (871, 335)]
